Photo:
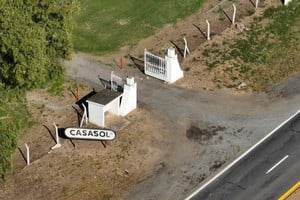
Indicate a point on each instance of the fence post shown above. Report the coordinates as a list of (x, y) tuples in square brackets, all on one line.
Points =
[(256, 3), (121, 62), (186, 48), (77, 93), (208, 29), (234, 13), (27, 154), (58, 145)]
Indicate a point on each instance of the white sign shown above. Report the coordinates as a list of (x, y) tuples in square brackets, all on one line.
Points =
[(90, 134)]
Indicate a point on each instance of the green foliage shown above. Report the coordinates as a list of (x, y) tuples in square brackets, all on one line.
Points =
[(262, 42), (13, 117), (104, 26), (34, 37), (267, 52)]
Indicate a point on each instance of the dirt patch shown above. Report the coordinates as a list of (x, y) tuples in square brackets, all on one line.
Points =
[(200, 135), (79, 166)]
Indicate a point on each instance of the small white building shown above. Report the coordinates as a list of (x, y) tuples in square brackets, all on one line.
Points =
[(112, 101)]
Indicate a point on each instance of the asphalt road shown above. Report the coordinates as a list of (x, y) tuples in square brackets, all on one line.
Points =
[(265, 173)]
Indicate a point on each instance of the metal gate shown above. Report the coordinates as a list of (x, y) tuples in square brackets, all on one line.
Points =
[(155, 66), (116, 82)]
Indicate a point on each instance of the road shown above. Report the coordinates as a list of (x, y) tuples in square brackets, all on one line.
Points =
[(265, 173)]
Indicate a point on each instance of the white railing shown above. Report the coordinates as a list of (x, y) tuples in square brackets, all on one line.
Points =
[(155, 66)]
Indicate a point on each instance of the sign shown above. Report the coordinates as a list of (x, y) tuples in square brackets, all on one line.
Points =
[(90, 134)]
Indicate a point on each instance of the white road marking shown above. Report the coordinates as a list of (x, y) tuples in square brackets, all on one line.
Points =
[(239, 158), (278, 163)]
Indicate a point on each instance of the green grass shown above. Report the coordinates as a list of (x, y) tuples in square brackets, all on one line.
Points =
[(267, 52), (102, 26)]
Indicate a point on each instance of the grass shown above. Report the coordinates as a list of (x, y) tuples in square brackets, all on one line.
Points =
[(104, 26), (267, 52)]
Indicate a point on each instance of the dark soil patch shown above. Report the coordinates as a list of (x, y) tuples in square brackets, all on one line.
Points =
[(217, 164), (197, 134)]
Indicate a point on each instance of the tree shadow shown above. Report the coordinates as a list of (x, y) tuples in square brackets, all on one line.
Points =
[(138, 63)]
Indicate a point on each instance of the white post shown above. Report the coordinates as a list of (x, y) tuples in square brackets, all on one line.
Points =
[(186, 48), (84, 116), (27, 154), (234, 13), (58, 145), (208, 29), (286, 2), (256, 3)]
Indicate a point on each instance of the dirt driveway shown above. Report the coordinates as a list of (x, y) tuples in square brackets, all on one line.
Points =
[(202, 130)]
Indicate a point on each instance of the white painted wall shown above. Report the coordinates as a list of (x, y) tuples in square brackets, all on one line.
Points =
[(129, 97), (96, 113), (113, 106), (174, 71)]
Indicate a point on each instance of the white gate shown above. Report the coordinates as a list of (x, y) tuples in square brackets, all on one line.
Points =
[(155, 66), (116, 83), (166, 69)]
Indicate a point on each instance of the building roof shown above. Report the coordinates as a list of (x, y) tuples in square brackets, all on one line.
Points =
[(104, 96)]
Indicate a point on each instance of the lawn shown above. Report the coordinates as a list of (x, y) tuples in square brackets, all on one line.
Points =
[(102, 26)]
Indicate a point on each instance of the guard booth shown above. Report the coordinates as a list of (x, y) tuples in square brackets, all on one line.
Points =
[(113, 101)]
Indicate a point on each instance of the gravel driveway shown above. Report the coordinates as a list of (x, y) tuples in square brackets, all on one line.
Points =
[(206, 130)]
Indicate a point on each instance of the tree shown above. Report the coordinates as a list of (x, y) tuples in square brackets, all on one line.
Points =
[(34, 37)]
